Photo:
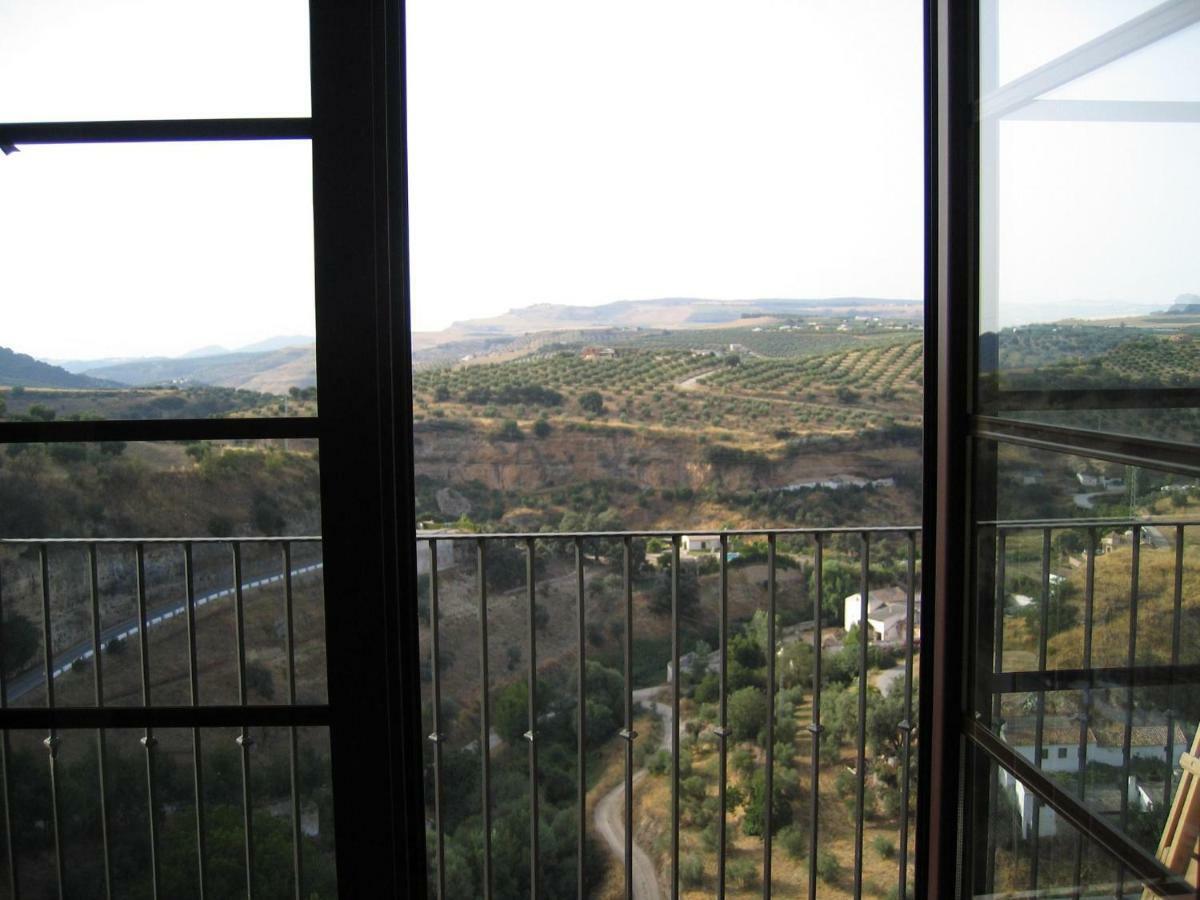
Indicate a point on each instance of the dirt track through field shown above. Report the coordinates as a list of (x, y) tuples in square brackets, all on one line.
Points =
[(609, 814)]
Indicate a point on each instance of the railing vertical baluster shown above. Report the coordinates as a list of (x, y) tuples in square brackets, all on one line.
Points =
[(194, 691), (1176, 636), (244, 740), (101, 749), (5, 776), (148, 739), (531, 735), (1089, 593), (723, 729), (769, 773), (52, 740), (906, 725), (293, 742), (1130, 661), (485, 750), (861, 759), (1039, 728), (628, 733), (997, 667), (676, 677), (435, 661), (581, 736), (815, 728)]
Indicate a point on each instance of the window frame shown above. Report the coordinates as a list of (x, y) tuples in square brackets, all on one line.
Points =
[(364, 428), (964, 426)]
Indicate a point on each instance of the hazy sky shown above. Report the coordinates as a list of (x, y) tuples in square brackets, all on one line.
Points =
[(566, 151)]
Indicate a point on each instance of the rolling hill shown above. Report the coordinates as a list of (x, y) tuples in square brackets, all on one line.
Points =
[(271, 371), (22, 370)]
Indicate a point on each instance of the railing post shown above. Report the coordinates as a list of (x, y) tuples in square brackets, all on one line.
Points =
[(5, 752), (148, 740), (723, 727), (52, 740), (101, 748), (769, 773), (581, 733), (628, 733), (861, 759), (906, 725), (194, 690), (435, 738), (815, 728), (531, 735), (485, 748), (676, 678)]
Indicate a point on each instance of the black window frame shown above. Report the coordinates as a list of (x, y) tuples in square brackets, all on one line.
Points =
[(356, 129), (965, 422)]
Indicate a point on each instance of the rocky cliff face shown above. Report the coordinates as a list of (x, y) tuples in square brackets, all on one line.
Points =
[(563, 457), (646, 458)]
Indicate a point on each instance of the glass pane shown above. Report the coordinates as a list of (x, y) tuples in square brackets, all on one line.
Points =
[(1029, 35), (165, 494), (74, 60), (158, 281), (1088, 282), (1088, 621), (1025, 849)]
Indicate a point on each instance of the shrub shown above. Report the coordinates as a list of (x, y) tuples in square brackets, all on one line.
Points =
[(509, 431), (743, 873), (660, 763), (541, 428), (592, 402), (829, 868), (793, 841), (884, 846), (691, 870)]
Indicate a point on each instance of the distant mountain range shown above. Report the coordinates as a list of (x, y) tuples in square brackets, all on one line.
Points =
[(269, 371), (673, 313), (21, 370)]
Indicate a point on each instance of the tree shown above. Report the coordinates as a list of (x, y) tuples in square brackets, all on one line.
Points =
[(21, 642), (754, 823), (689, 591), (592, 402), (747, 713), (510, 712)]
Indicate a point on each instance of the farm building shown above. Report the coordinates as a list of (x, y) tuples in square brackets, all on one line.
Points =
[(1060, 753), (886, 613), (700, 543)]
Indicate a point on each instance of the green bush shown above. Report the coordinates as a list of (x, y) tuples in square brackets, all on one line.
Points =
[(884, 846), (691, 870), (829, 868), (793, 841), (510, 431), (743, 873)]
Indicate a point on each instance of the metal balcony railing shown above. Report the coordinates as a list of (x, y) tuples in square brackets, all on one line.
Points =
[(234, 585), (814, 542), (20, 694)]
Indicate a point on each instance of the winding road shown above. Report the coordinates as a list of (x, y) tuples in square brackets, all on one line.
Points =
[(609, 813), (27, 681)]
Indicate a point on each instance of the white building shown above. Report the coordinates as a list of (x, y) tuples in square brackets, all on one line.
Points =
[(1060, 753), (701, 543), (445, 556), (886, 614)]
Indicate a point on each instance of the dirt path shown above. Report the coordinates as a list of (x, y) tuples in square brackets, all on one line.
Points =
[(609, 813), (692, 382)]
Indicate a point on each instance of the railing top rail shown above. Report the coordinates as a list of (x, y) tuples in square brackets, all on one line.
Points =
[(296, 539), (614, 535), (1124, 521)]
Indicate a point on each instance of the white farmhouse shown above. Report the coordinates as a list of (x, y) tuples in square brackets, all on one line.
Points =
[(1060, 753), (886, 614), (701, 543)]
